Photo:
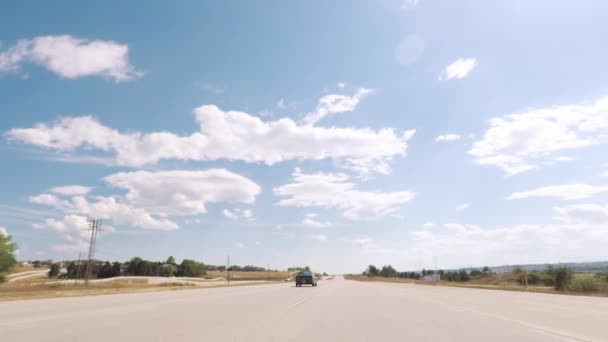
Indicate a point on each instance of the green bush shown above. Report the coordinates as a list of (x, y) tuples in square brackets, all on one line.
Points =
[(562, 276), (55, 270), (533, 278), (7, 256), (547, 279), (586, 284)]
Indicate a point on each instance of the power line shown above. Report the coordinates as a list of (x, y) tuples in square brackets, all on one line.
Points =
[(94, 226)]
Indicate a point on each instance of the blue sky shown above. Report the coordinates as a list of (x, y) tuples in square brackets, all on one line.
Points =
[(317, 133)]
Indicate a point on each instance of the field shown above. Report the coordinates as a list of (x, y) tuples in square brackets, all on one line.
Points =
[(40, 286), (20, 269), (491, 282)]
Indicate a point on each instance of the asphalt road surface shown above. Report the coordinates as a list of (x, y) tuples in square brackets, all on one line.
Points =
[(336, 310)]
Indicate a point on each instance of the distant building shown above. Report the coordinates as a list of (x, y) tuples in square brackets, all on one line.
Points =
[(431, 277)]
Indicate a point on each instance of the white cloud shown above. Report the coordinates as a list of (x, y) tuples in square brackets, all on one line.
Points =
[(225, 135), (213, 89), (264, 113), (462, 245), (341, 85), (71, 57), (239, 245), (364, 242), (333, 190), (107, 208), (462, 206), (152, 197), (319, 237), (457, 227), (75, 226), (564, 159), (229, 214), (566, 192), (448, 137), (409, 4), (334, 103), (281, 104), (316, 224), (183, 192), (71, 190), (520, 142), (429, 224), (368, 245), (75, 231), (593, 214), (3, 231), (238, 214), (458, 69)]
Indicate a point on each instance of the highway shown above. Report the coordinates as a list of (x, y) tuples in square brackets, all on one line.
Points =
[(336, 310)]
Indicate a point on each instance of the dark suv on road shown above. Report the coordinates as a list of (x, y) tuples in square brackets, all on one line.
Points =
[(306, 277)]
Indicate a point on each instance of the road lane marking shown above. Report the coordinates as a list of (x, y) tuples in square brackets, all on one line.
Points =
[(564, 336), (301, 301)]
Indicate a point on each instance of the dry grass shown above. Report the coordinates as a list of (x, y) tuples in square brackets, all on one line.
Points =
[(33, 280), (41, 289), (504, 282), (236, 276), (20, 269)]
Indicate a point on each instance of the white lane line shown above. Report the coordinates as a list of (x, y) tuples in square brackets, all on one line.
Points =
[(301, 301), (563, 336)]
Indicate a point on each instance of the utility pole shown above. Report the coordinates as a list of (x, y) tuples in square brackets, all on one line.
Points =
[(268, 269), (228, 269), (78, 269), (94, 226)]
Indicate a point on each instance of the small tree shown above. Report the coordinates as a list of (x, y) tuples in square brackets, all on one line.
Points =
[(191, 268), (388, 271), (563, 277), (7, 256), (372, 271), (167, 270), (117, 269), (476, 273), (133, 266), (464, 276), (171, 261), (55, 270)]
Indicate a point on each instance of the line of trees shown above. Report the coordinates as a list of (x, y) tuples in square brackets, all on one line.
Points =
[(561, 278), (140, 267), (237, 268), (390, 271), (134, 267)]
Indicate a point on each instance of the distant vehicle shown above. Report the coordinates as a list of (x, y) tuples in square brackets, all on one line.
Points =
[(306, 277)]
